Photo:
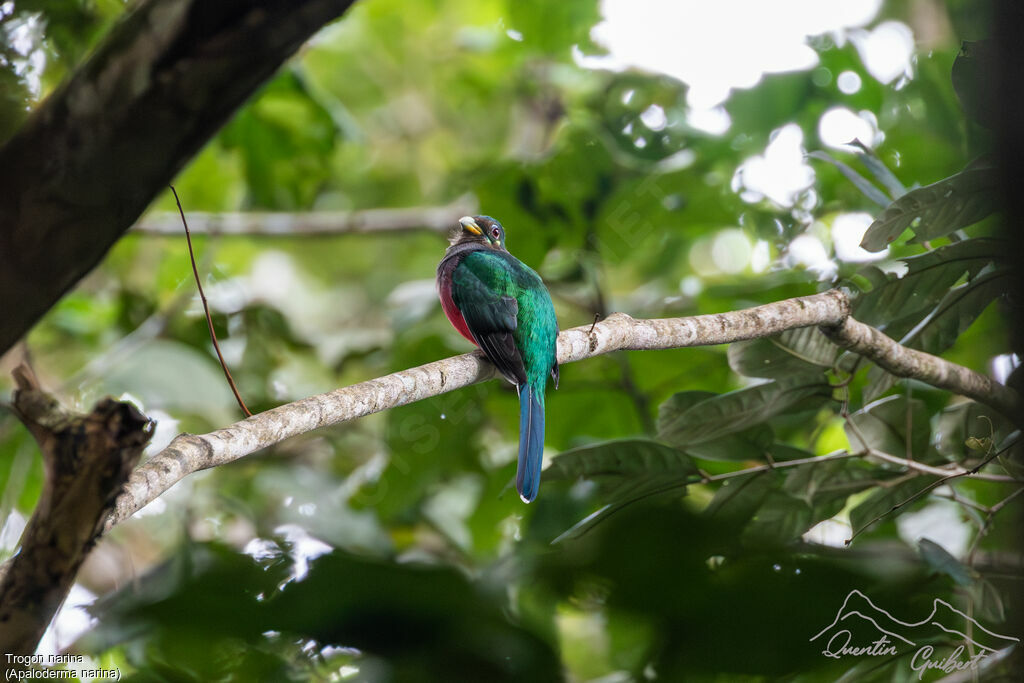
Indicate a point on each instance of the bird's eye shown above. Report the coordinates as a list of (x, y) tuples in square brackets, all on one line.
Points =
[(495, 234)]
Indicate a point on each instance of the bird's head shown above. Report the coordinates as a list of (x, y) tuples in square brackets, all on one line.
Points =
[(482, 229)]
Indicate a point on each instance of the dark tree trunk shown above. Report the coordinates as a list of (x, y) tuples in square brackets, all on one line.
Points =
[(99, 149)]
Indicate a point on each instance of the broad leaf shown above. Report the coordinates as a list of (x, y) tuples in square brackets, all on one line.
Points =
[(628, 468), (392, 610), (780, 519), (878, 506), (975, 75), (825, 486), (927, 279), (749, 444), (684, 425), (736, 500), (987, 601), (968, 430), (943, 207), (859, 181), (801, 351), (939, 559), (881, 172), (883, 426), (955, 313)]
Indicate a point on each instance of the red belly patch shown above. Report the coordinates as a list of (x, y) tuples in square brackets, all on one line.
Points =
[(452, 311)]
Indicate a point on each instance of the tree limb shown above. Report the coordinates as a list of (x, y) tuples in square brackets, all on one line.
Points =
[(189, 453), (435, 218), (87, 459), (93, 155), (906, 362)]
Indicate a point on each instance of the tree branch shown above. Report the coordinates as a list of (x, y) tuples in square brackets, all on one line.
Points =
[(93, 155), (435, 218), (86, 460), (948, 472), (189, 453), (906, 362)]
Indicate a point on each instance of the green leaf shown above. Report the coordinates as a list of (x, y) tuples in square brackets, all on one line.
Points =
[(285, 138), (881, 172), (554, 28), (171, 376), (625, 471), (955, 313), (780, 519), (939, 559), (400, 612), (736, 500), (964, 427), (987, 601), (749, 444), (884, 423), (943, 207), (825, 486), (974, 77), (428, 442), (859, 181), (630, 468), (928, 278), (21, 470), (1012, 458), (801, 351), (683, 423), (878, 506)]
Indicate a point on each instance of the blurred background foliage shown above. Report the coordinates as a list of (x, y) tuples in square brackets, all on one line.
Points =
[(392, 548)]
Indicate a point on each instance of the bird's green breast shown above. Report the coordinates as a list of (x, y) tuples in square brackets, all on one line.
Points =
[(536, 331)]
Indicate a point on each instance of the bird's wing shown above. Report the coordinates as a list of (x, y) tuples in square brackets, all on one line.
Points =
[(482, 289)]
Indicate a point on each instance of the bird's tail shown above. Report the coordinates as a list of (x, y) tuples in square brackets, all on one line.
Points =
[(531, 441)]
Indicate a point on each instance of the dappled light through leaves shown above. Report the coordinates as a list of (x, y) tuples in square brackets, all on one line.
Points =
[(704, 511)]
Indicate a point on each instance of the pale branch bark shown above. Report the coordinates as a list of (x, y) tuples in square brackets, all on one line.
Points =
[(92, 156), (949, 472), (906, 362), (435, 218), (190, 453), (87, 459)]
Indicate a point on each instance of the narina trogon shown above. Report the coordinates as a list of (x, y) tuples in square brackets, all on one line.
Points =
[(500, 304)]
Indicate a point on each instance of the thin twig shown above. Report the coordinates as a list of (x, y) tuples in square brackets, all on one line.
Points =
[(983, 531), (964, 502), (935, 471), (206, 307), (437, 219), (944, 473), (836, 455), (949, 472)]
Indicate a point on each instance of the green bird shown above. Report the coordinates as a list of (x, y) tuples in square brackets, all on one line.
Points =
[(500, 304)]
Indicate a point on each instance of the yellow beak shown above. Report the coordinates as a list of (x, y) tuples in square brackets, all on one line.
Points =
[(469, 224)]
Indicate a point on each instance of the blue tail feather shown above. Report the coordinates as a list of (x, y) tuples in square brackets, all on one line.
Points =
[(531, 442)]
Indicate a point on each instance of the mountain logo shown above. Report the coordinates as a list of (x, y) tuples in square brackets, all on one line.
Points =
[(862, 628)]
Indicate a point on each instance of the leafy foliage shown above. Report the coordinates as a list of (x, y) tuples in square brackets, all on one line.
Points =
[(940, 208), (682, 485)]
